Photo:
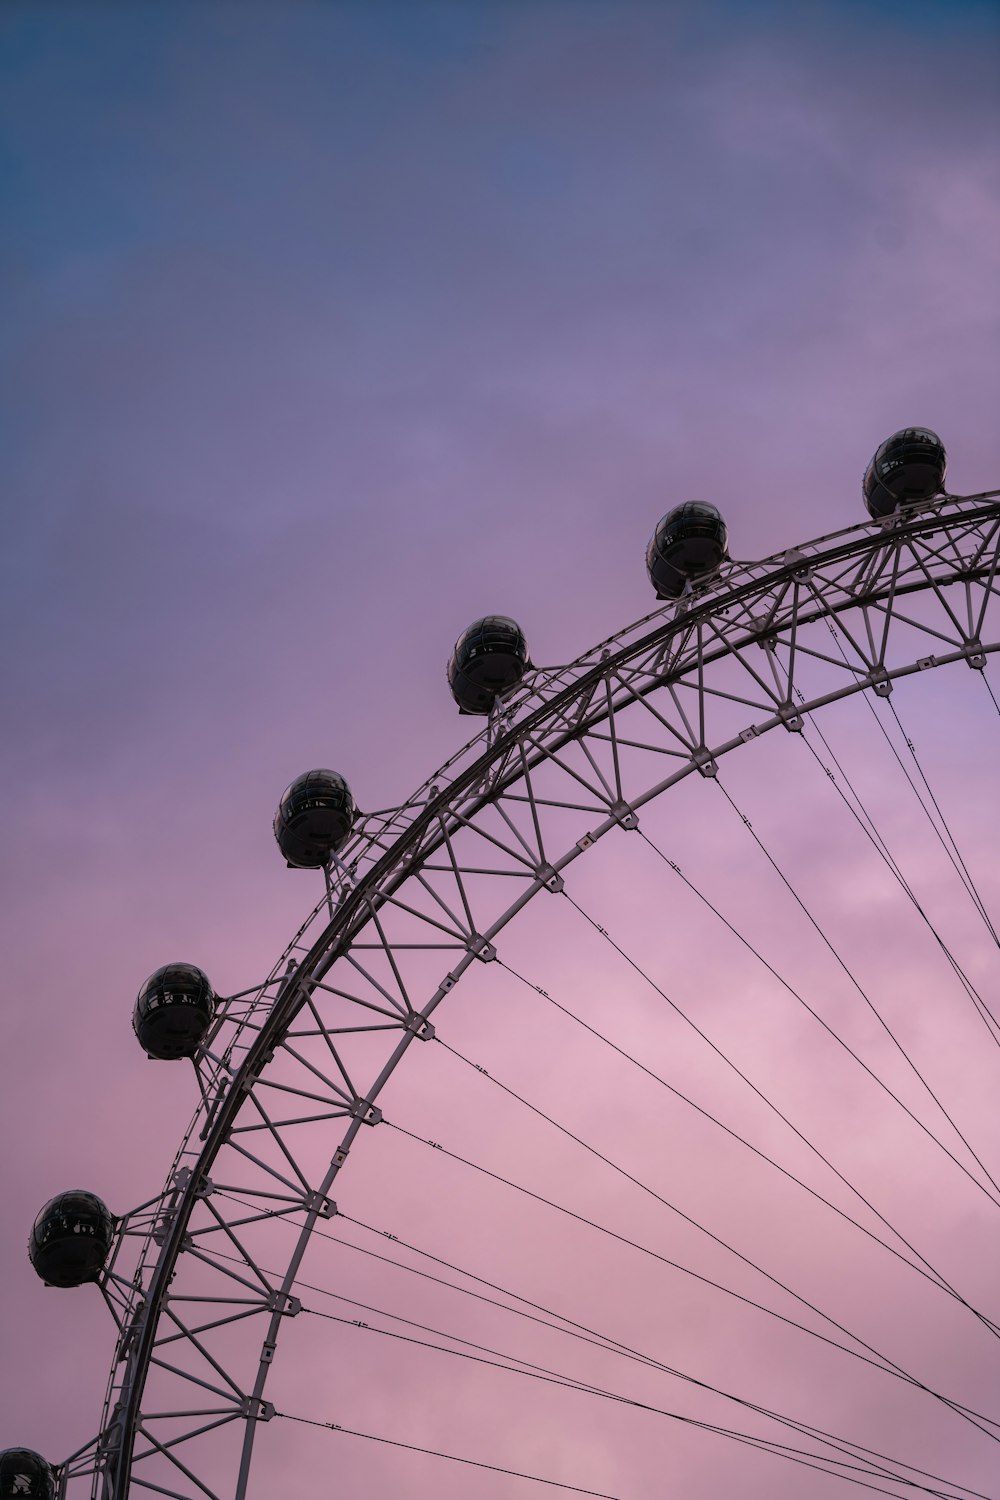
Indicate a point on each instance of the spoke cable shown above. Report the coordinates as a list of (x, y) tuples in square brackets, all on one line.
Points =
[(796, 995), (867, 824), (568, 1382), (584, 1335), (761, 1444), (964, 880), (961, 865), (603, 931), (842, 964), (930, 1275), (451, 1457), (541, 1372), (887, 1364), (886, 1367), (986, 682)]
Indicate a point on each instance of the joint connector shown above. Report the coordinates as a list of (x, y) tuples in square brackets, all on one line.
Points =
[(256, 1410), (420, 1027), (316, 1203), (703, 760), (977, 656), (550, 878), (247, 1083), (482, 949), (108, 1445), (793, 558), (791, 719), (626, 816), (283, 1303), (366, 1113), (162, 1226), (879, 680)]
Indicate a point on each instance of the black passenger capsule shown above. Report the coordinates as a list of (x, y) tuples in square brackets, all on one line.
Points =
[(71, 1239), (689, 544), (488, 661), (314, 818), (174, 1010), (907, 467), (25, 1472)]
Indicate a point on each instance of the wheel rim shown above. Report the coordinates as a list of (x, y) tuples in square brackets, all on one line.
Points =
[(945, 556)]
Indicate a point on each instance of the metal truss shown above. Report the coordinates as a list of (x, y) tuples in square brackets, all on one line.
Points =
[(413, 902)]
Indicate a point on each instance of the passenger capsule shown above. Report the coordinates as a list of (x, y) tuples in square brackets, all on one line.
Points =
[(488, 662), (314, 818), (71, 1239), (907, 467), (173, 1011), (689, 544), (25, 1472)]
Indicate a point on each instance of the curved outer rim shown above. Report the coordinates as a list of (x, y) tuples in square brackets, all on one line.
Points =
[(392, 863)]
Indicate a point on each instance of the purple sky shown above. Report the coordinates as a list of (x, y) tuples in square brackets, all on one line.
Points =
[(325, 328)]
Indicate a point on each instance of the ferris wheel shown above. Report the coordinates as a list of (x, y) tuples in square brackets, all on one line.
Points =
[(206, 1281)]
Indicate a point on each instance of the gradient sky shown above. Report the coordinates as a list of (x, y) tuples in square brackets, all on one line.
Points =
[(325, 328)]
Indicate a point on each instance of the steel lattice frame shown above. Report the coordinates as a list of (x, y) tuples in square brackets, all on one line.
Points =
[(412, 903)]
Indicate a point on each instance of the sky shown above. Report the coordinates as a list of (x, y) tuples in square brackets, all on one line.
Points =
[(326, 328)]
